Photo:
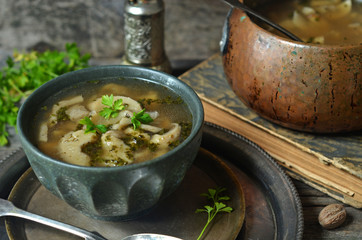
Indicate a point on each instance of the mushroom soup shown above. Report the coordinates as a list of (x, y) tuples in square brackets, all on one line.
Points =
[(99, 124), (319, 21)]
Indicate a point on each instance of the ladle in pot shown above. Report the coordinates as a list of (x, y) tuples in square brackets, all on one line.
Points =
[(242, 6)]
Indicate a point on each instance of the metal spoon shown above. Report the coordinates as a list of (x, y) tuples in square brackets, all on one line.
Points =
[(7, 208), (242, 6)]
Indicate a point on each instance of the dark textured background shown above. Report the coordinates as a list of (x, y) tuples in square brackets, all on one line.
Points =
[(192, 27)]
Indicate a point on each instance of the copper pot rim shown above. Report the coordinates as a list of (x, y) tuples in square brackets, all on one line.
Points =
[(278, 38)]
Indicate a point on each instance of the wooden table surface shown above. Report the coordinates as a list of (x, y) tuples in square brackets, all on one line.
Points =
[(313, 201)]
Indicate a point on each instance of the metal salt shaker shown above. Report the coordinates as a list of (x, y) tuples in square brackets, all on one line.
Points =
[(144, 34)]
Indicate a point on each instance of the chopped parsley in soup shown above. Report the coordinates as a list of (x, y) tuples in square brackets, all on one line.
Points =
[(112, 124)]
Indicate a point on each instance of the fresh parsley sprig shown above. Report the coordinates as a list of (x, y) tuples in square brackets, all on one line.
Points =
[(114, 107), (91, 127), (140, 117), (24, 72), (218, 206)]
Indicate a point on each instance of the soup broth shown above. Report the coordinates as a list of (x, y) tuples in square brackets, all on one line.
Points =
[(319, 21), (112, 124)]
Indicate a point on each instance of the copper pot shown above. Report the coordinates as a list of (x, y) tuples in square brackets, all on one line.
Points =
[(307, 87)]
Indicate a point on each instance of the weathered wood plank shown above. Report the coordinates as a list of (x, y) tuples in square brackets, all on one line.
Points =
[(313, 202)]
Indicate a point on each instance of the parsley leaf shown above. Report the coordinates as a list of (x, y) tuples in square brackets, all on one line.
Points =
[(218, 206), (107, 100), (140, 117), (91, 127), (113, 107), (24, 72)]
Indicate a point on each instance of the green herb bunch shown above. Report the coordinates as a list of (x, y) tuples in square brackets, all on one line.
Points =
[(24, 73), (217, 206)]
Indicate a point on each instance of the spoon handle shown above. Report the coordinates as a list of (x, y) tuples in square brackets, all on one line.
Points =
[(17, 212), (242, 6)]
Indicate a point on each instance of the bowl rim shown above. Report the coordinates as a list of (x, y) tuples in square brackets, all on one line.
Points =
[(196, 128), (294, 42)]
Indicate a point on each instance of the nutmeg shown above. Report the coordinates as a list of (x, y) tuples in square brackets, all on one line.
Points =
[(332, 216)]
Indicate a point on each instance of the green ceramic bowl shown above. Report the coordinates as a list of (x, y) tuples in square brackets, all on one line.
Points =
[(114, 193)]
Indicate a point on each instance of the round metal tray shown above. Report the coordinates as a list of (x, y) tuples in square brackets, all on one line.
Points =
[(272, 206)]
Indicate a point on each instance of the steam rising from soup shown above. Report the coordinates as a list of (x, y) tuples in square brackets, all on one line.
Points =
[(98, 124), (319, 21)]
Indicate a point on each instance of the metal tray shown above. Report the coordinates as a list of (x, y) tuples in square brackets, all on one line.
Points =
[(273, 208)]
